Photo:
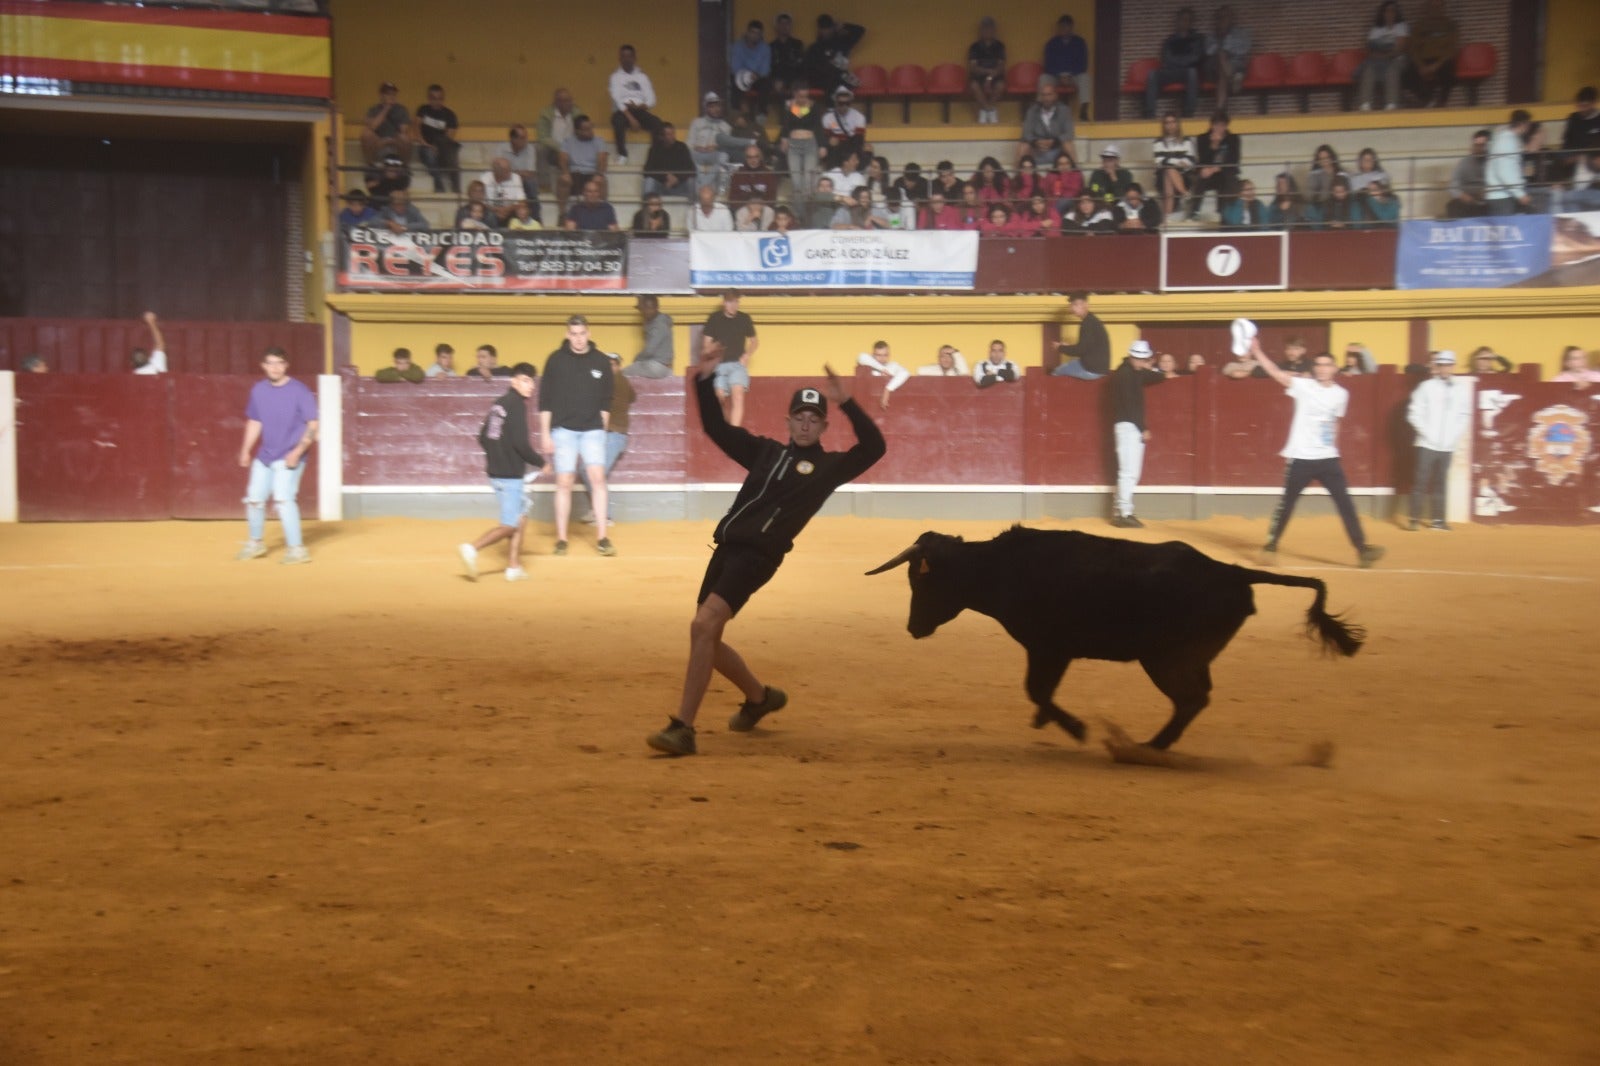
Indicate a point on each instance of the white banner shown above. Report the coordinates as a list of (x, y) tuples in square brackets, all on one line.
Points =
[(835, 259)]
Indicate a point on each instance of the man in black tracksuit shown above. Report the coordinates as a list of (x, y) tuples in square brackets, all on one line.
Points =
[(787, 484), (507, 455), (1128, 383)]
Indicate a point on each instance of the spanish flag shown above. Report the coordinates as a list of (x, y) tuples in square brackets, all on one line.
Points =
[(220, 51)]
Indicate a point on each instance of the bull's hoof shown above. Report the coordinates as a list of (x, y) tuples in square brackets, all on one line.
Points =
[(1125, 749), (1078, 730)]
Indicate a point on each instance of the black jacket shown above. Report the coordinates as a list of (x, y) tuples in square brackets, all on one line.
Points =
[(786, 484), (1128, 383), (1093, 349), (507, 451), (824, 71), (576, 388)]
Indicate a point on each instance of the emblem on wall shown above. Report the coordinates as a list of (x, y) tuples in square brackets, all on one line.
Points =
[(1558, 442)]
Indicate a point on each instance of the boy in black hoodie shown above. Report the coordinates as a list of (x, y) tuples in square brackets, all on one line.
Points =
[(786, 485), (508, 453)]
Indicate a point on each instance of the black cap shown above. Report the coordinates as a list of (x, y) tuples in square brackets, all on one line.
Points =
[(809, 399)]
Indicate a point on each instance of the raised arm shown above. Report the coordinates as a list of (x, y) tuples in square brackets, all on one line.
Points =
[(737, 443), (157, 341), (869, 446), (1273, 370)]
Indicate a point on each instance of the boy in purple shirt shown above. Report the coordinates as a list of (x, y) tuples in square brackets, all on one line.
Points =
[(282, 418)]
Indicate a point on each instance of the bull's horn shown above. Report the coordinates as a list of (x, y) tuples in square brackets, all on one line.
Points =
[(896, 561)]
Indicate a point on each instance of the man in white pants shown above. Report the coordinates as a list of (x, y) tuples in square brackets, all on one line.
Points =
[(1441, 412), (1128, 428)]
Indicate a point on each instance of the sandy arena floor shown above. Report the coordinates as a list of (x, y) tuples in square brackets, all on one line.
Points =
[(366, 811)]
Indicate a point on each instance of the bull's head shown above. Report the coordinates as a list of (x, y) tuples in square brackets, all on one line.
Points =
[(935, 596)]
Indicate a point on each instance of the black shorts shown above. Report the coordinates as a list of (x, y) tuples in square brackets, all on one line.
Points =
[(735, 573)]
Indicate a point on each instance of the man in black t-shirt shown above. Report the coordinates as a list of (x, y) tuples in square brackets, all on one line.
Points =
[(1090, 358), (574, 414), (731, 335), (986, 67), (440, 151)]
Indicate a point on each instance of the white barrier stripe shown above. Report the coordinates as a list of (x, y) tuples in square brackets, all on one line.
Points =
[(729, 486)]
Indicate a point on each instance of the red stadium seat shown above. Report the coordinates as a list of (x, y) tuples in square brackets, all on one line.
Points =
[(1264, 74), (872, 81), (1343, 70), (1307, 71), (909, 82), (1138, 73), (1023, 80), (948, 81), (1475, 63)]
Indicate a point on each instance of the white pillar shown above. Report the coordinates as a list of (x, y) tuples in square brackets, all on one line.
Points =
[(8, 446), (330, 448)]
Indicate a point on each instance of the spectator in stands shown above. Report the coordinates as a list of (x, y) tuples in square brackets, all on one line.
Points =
[(753, 183), (747, 132), (1109, 182), (788, 59), (1504, 187), (1026, 182), (402, 370), (882, 365), (438, 148), (709, 136), (948, 364), (986, 71), (1181, 57), (1382, 205), (502, 189), (910, 188), (1066, 61), (878, 181), (1386, 56), (754, 216), (708, 215), (488, 366), (357, 211), (750, 67), (152, 360), (1287, 207), (783, 220), (583, 156), (632, 97), (1046, 128), (1358, 360), (444, 362), (1090, 357), (592, 212), (990, 180), (828, 58), (1245, 212), (1430, 70), (651, 221), (524, 157), (1227, 55), (282, 418), (475, 215), (1089, 214), (1041, 217), (1581, 135), (938, 214), (1544, 171), (402, 216), (574, 411), (1587, 197), (1485, 362), (381, 180), (388, 129), (860, 213), (1167, 366), (1240, 367), (1134, 214), (1175, 159), (997, 222), (844, 129), (945, 181), (1469, 181), (1063, 184), (508, 453), (817, 209), (996, 367), (1576, 369), (846, 178), (1324, 168), (655, 357), (668, 168), (1219, 154), (1440, 413), (522, 218), (1368, 170), (557, 123), (799, 137), (971, 209), (730, 334), (34, 364)]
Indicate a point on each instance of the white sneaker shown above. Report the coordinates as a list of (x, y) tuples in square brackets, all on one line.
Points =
[(516, 573), (295, 555), (469, 560), (1366, 107), (253, 549), (1391, 107)]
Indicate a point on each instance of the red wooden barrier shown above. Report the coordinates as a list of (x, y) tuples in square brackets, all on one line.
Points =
[(101, 346), (1536, 459)]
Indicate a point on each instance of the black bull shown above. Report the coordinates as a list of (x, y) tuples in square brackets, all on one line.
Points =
[(1065, 596)]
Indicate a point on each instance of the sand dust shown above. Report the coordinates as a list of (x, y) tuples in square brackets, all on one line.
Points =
[(367, 811)]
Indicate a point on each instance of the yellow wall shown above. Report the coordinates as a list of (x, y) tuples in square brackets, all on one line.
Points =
[(1521, 340), (1572, 50)]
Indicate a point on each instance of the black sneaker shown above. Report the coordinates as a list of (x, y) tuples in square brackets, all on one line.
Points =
[(1269, 553), (748, 714), (1128, 521), (605, 547), (561, 548), (1369, 555), (1439, 525), (676, 739)]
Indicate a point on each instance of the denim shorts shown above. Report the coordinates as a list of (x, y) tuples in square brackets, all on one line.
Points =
[(571, 443), (508, 494), (730, 374)]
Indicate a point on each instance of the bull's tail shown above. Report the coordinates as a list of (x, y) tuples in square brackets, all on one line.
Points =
[(1337, 636)]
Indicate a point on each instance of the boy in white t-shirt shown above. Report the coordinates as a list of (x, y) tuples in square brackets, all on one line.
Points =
[(1313, 448)]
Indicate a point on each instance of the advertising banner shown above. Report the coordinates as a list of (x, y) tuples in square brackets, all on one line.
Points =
[(482, 260), (835, 259), (1472, 253)]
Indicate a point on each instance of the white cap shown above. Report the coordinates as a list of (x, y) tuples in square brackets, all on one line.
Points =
[(1445, 356), (1111, 149), (1140, 350), (711, 98), (1244, 331)]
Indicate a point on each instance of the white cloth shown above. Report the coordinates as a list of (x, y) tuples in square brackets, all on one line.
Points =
[(934, 370), (1314, 433), (631, 88), (1441, 412), (437, 371), (502, 193), (719, 221), (157, 364), (1130, 464), (1384, 38), (849, 124), (845, 185), (897, 374)]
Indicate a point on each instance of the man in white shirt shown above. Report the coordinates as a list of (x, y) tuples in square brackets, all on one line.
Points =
[(444, 362), (950, 364), (523, 155), (844, 129), (708, 216), (502, 188), (879, 362), (846, 179), (632, 95), (1504, 187), (1441, 412), (154, 360), (996, 368), (1313, 448)]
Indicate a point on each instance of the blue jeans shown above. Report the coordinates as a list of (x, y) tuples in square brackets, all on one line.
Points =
[(1190, 76), (1073, 368), (1505, 205), (616, 444), (685, 188), (283, 485)]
